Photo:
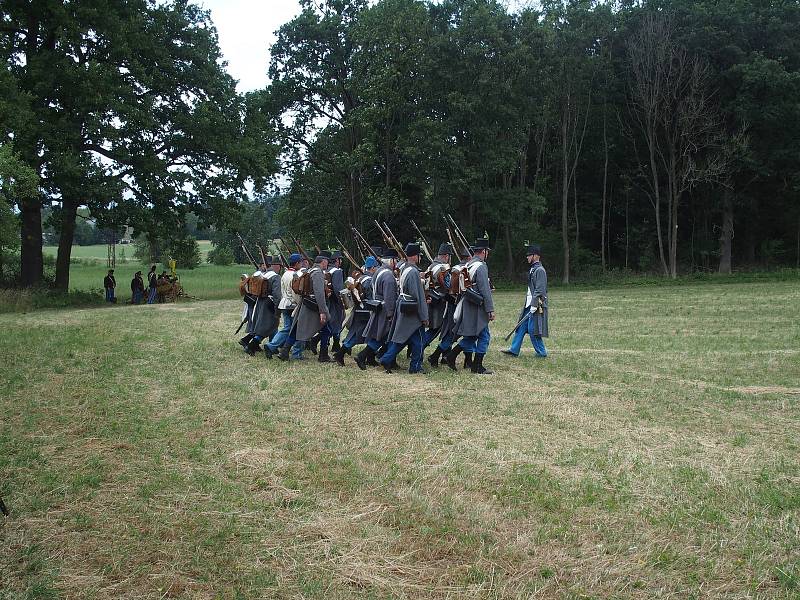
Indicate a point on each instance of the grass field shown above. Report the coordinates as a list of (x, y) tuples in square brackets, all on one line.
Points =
[(100, 251), (655, 454)]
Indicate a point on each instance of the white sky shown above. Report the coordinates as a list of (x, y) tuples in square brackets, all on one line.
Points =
[(246, 31)]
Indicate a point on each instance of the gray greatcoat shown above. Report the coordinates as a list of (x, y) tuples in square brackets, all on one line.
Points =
[(359, 315), (411, 290), (384, 289), (436, 309), (537, 288), (335, 306), (265, 315), (471, 319), (306, 321)]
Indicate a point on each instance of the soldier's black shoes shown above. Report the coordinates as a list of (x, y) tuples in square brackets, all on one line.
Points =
[(252, 347), (283, 353), (433, 359), (371, 361), (509, 352), (335, 347), (348, 351), (245, 340), (267, 352), (365, 357), (339, 356), (323, 355), (477, 365), (467, 360), (450, 357)]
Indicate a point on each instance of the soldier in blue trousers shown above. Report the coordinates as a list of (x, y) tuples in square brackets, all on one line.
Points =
[(533, 318)]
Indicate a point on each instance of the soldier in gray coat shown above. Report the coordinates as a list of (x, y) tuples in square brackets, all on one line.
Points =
[(474, 312), (438, 305), (311, 315), (265, 315), (533, 318), (359, 316), (335, 306), (383, 304), (411, 315)]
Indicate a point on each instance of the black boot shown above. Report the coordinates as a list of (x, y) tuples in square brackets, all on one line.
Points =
[(367, 354), (477, 365), (450, 358), (283, 353), (267, 352), (468, 360), (323, 354), (339, 356), (245, 340), (433, 359), (312, 344), (252, 347), (348, 351), (335, 347), (392, 365)]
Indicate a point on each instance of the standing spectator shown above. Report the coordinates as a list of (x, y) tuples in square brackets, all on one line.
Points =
[(152, 282), (109, 283), (137, 288)]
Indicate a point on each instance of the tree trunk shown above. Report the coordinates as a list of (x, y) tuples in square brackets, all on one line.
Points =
[(31, 261), (627, 228), (509, 249), (575, 205), (565, 198), (657, 195), (673, 248), (605, 186), (726, 236), (69, 212)]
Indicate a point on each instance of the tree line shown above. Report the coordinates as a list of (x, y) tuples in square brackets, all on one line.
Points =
[(651, 135), (648, 135)]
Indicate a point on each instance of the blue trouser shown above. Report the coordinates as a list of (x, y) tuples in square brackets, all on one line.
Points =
[(324, 338), (479, 344), (447, 342), (415, 342), (519, 337), (109, 294), (374, 344), (279, 338), (152, 295), (430, 335)]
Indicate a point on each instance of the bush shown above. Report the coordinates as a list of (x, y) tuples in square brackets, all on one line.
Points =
[(221, 256), (185, 250)]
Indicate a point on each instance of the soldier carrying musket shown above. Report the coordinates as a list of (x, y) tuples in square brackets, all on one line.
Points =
[(311, 316), (438, 276), (335, 306), (360, 314), (410, 315), (474, 311), (382, 306)]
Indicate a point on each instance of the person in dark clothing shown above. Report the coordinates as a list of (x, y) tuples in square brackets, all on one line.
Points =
[(109, 283), (152, 282), (137, 288)]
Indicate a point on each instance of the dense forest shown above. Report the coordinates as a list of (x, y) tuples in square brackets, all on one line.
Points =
[(658, 136)]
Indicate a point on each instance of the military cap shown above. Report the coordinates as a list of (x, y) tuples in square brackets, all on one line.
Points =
[(480, 244), (445, 248), (412, 249), (388, 253), (295, 258), (370, 262), (534, 249)]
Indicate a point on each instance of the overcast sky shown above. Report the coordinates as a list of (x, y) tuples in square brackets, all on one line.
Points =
[(246, 31)]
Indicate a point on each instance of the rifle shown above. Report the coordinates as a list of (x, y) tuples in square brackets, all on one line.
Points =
[(394, 242), (459, 234), (366, 249), (422, 239), (385, 236), (348, 256), (283, 258), (300, 250), (263, 257), (247, 252), (450, 237)]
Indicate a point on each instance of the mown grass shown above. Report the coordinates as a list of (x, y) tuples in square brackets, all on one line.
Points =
[(655, 454)]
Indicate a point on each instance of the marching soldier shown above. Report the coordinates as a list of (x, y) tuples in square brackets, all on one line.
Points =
[(438, 273), (249, 299), (533, 318), (264, 320), (382, 305), (335, 306), (474, 311), (447, 336), (359, 316), (311, 315), (410, 315), (287, 305)]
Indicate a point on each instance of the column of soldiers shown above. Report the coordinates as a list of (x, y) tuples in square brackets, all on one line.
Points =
[(393, 306)]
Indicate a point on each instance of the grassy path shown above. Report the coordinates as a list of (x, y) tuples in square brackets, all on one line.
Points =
[(656, 454)]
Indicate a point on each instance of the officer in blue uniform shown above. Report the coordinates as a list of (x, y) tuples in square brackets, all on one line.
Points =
[(533, 318)]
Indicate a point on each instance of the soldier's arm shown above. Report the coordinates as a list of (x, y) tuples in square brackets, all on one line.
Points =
[(318, 284), (389, 294), (422, 305), (276, 290)]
